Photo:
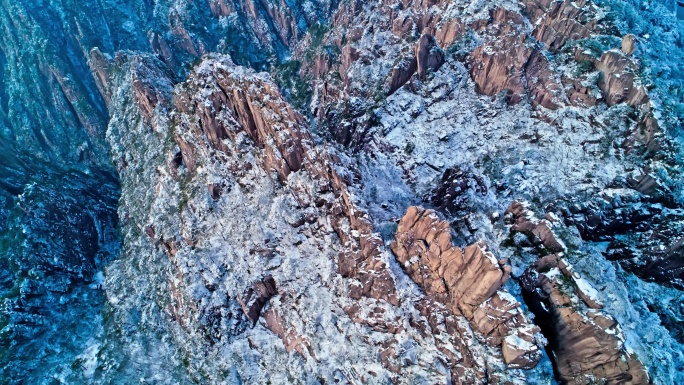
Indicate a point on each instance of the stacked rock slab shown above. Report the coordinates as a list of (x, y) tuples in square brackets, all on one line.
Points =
[(467, 281)]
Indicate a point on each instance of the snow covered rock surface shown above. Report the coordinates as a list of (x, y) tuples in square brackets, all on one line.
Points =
[(272, 223)]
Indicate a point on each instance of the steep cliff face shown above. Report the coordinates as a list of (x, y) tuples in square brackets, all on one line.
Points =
[(275, 234)]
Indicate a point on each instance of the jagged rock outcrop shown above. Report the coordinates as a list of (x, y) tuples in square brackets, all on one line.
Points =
[(231, 126), (421, 32), (467, 281), (429, 56), (498, 65), (628, 44), (554, 61), (621, 84), (557, 22), (256, 297), (587, 344), (539, 231), (256, 253), (619, 81), (509, 63), (255, 202), (401, 73), (455, 189), (241, 103), (54, 115)]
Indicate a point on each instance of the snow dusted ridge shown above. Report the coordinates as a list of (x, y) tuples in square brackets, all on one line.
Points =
[(270, 266), (263, 244)]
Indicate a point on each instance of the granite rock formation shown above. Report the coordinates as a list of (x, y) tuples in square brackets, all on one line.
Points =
[(272, 158)]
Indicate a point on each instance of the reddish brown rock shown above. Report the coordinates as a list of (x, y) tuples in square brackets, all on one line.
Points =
[(650, 129), (508, 62), (376, 317), (580, 95), (234, 101), (645, 183), (557, 22), (466, 280), (520, 350), (182, 37), (284, 22), (619, 80), (349, 56), (450, 338), (588, 343), (187, 152), (291, 340), (449, 32), (543, 89), (401, 74), (497, 65), (524, 221), (249, 102), (429, 57), (256, 297), (146, 97)]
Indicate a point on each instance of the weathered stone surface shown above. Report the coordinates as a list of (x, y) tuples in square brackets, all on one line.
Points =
[(619, 80), (455, 188), (467, 281), (520, 350), (498, 64), (291, 340), (557, 22), (248, 102), (509, 63), (587, 344), (540, 231), (221, 7), (581, 95), (429, 56), (401, 74), (228, 156), (256, 297), (628, 44), (544, 90)]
